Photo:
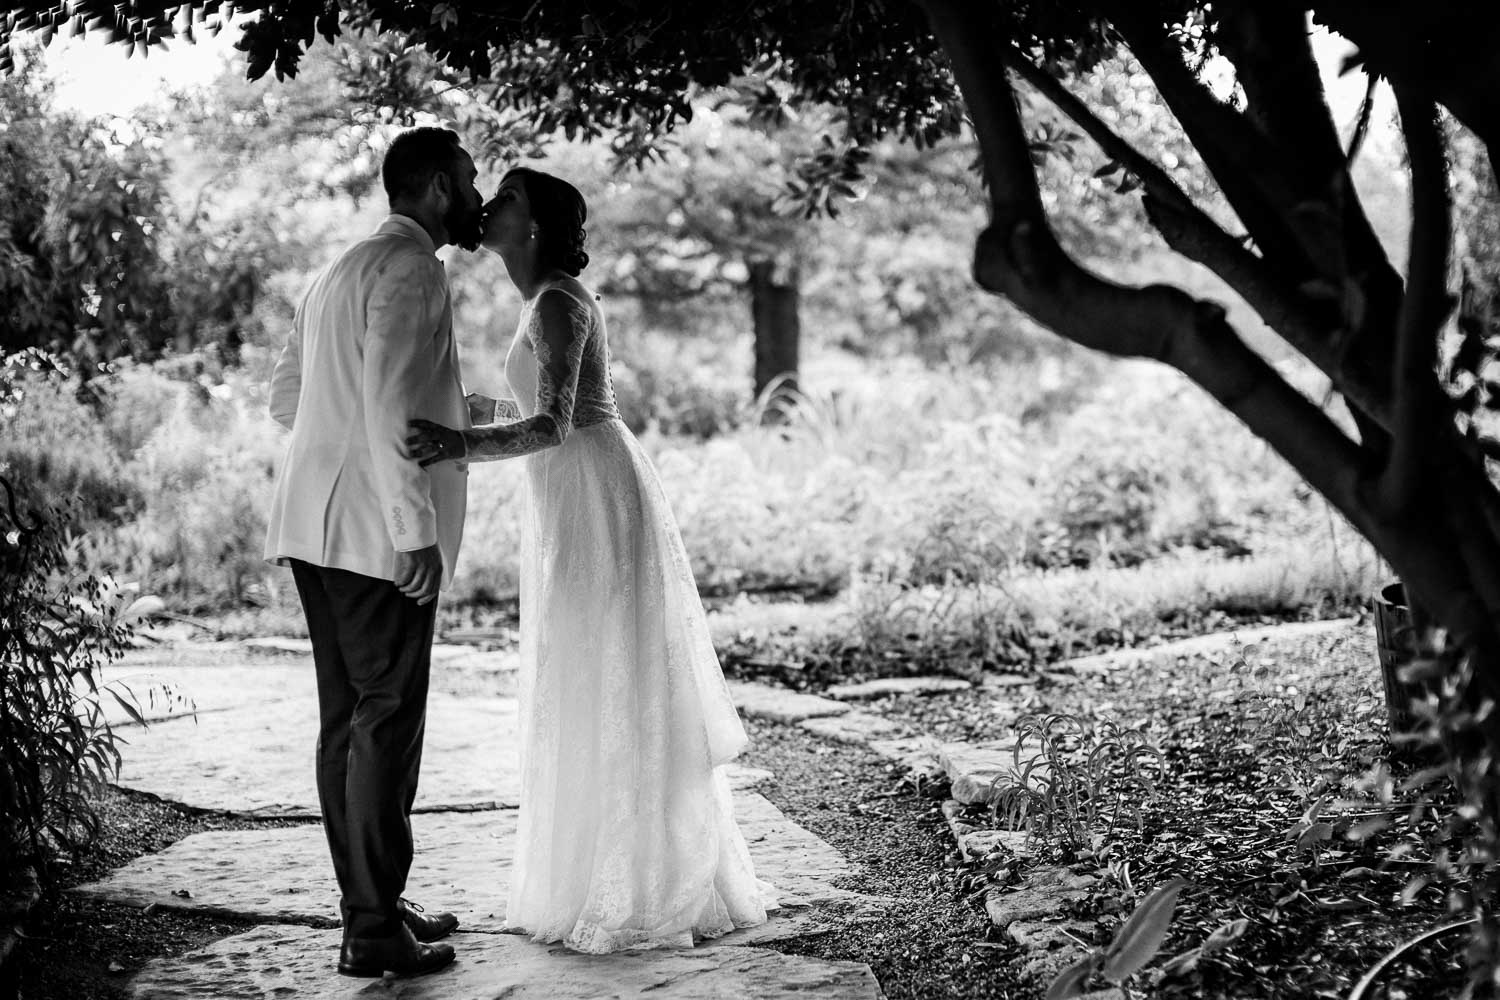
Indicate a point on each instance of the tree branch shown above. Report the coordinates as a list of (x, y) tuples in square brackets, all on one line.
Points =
[(1193, 233), (1424, 308), (1018, 256), (1311, 230), (1269, 46), (1362, 124), (1248, 168)]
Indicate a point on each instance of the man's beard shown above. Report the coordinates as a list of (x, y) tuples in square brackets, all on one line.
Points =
[(466, 228)]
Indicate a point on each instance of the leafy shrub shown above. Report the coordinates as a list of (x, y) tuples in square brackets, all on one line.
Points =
[(56, 745), (1073, 782), (1456, 725), (138, 399), (661, 389), (54, 443), (202, 457)]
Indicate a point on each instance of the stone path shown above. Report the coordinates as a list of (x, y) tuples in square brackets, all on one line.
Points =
[(238, 737), (247, 749)]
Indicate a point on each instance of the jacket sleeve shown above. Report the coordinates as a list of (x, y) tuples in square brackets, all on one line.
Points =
[(286, 377), (403, 319)]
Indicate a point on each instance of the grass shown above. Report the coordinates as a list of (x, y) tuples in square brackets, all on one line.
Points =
[(886, 471)]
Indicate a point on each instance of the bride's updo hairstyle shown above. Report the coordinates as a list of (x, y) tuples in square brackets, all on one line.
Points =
[(559, 213)]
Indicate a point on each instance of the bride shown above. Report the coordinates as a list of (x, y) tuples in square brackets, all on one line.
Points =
[(626, 834)]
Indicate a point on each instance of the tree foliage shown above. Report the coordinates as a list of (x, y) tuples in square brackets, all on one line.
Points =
[(101, 262), (78, 234)]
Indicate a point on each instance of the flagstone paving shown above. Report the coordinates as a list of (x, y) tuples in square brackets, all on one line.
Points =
[(246, 748), (1204, 645), (283, 961), (257, 759), (462, 864)]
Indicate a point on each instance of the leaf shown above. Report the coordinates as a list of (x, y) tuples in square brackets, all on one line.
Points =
[(1316, 833), (1225, 935), (1141, 936), (1109, 168), (143, 607), (1071, 982), (1182, 965), (128, 706)]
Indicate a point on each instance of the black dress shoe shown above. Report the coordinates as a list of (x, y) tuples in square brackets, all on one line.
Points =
[(424, 927), (400, 953)]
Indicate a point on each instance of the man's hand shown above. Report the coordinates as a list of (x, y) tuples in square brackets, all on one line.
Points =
[(428, 442), (419, 573)]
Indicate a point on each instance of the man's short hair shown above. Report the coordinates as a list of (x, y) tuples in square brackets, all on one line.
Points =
[(415, 156)]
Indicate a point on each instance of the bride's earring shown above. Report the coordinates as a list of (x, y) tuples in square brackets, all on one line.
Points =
[(531, 235)]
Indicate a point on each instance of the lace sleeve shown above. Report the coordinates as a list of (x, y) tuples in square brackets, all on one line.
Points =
[(562, 329), (489, 410)]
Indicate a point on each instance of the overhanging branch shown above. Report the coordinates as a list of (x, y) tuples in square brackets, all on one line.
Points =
[(1019, 257), (1193, 233), (1272, 53)]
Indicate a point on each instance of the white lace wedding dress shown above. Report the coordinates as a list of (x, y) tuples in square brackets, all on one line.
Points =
[(626, 835)]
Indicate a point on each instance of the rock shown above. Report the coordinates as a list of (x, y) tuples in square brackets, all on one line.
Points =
[(1123, 659), (1008, 681), (1045, 936), (886, 686), (915, 753), (277, 961), (976, 841), (1048, 892), (779, 704), (1043, 966), (852, 727), (979, 843), (282, 644), (741, 776), (974, 767), (257, 759), (462, 864)]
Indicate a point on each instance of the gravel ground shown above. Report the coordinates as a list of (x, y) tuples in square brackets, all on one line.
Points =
[(928, 944)]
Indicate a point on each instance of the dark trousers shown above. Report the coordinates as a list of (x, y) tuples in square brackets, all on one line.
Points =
[(372, 646)]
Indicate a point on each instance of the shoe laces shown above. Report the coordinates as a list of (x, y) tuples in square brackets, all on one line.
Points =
[(415, 907)]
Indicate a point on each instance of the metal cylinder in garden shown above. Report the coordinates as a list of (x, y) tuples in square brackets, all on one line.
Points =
[(1396, 644)]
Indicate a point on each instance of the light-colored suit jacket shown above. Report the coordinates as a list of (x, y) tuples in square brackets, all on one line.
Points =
[(371, 348)]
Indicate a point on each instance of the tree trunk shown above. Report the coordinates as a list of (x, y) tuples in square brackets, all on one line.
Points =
[(778, 328)]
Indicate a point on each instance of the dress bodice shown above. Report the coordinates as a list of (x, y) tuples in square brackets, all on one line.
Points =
[(558, 370)]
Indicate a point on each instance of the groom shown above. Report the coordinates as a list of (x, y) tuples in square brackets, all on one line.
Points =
[(371, 536)]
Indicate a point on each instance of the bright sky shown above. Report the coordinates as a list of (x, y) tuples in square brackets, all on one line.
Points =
[(97, 78)]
